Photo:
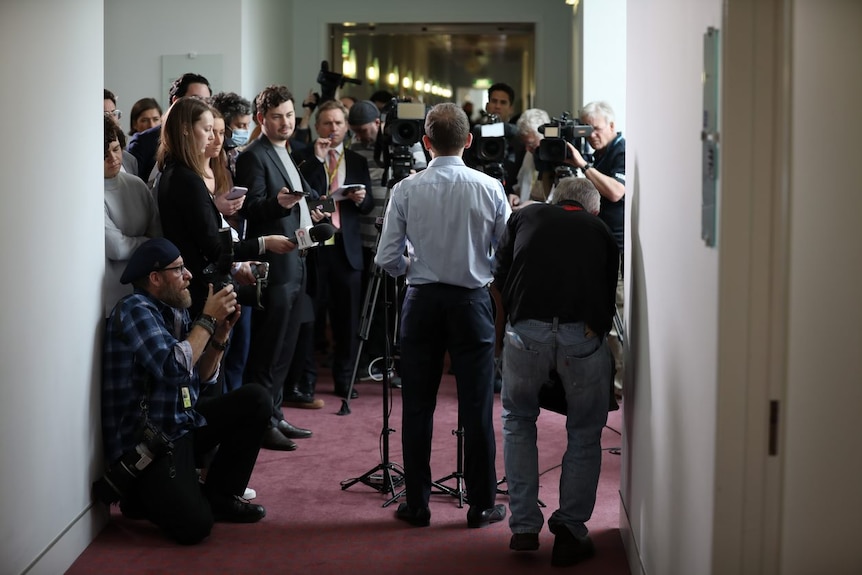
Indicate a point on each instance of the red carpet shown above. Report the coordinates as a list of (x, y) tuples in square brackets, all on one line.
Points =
[(313, 526)]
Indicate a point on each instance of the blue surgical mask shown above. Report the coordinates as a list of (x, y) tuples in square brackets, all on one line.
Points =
[(240, 137)]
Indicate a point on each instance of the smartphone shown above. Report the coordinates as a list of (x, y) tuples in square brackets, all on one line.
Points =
[(236, 192), (324, 205)]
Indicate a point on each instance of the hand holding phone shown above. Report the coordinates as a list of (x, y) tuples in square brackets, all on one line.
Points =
[(236, 192)]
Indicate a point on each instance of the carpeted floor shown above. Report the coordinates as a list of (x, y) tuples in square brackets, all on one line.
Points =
[(313, 526)]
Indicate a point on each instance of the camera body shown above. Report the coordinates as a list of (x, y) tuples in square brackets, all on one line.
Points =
[(491, 146), (218, 274), (114, 484), (557, 132), (403, 129)]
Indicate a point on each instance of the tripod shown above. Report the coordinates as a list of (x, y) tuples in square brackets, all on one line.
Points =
[(386, 476), (458, 492)]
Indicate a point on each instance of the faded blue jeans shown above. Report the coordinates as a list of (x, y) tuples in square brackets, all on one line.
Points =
[(584, 362)]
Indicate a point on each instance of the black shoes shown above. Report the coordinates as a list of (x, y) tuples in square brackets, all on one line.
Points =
[(568, 549), (235, 510), (293, 432), (524, 542), (483, 518), (416, 517), (275, 440)]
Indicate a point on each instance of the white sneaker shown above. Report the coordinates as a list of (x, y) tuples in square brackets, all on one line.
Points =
[(249, 494)]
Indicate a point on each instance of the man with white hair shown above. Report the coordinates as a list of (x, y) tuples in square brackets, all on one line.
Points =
[(556, 270)]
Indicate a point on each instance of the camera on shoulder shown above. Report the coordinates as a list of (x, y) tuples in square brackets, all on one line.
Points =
[(557, 132)]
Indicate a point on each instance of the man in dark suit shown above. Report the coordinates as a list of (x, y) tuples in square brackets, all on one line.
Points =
[(272, 205), (144, 145), (336, 268)]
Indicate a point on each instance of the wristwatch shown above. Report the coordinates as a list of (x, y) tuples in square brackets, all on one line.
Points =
[(586, 167)]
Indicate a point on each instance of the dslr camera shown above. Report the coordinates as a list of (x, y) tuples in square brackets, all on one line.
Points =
[(557, 132), (218, 274), (403, 128), (114, 484)]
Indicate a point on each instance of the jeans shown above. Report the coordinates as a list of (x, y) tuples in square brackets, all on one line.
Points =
[(583, 360)]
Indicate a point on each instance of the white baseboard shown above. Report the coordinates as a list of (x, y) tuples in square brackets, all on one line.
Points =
[(633, 555), (59, 555)]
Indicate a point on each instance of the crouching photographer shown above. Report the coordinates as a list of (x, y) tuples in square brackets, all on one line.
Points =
[(156, 427)]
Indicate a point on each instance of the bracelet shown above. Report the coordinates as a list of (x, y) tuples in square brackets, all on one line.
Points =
[(586, 167), (207, 322), (219, 345)]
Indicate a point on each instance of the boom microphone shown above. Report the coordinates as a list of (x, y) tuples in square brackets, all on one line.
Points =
[(309, 236)]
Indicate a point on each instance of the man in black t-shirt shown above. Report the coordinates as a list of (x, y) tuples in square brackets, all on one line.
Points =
[(556, 270), (608, 173)]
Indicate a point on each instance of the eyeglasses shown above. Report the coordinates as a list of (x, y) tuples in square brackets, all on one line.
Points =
[(116, 114), (181, 268)]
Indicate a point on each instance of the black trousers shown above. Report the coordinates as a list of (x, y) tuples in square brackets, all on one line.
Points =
[(168, 491), (437, 318), (274, 331), (337, 290)]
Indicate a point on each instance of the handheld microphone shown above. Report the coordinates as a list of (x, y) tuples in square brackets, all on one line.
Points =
[(310, 236)]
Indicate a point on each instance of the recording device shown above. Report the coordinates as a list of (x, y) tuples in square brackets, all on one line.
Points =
[(310, 236), (218, 274), (330, 82), (491, 145), (403, 128), (552, 148), (112, 486)]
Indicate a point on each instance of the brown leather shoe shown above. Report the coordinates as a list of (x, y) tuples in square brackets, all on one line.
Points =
[(275, 440), (302, 401)]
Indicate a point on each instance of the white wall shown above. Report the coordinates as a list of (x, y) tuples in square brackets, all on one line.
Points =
[(603, 46), (137, 34), (670, 405), (822, 499), (52, 246)]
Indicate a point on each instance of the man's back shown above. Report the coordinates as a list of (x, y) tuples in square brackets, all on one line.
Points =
[(562, 263), (453, 217)]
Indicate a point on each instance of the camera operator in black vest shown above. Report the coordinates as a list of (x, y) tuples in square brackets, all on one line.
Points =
[(607, 172)]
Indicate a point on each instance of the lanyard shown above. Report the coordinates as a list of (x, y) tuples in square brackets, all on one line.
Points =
[(334, 174)]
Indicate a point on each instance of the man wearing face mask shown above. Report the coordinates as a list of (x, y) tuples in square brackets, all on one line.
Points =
[(237, 116)]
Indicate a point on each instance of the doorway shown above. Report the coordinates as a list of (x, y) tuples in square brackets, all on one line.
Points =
[(434, 63)]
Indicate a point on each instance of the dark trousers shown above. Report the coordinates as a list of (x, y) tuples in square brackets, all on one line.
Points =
[(437, 318), (274, 330), (337, 291), (169, 492), (236, 355)]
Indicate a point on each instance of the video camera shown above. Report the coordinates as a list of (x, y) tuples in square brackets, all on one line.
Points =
[(403, 128), (491, 145), (552, 148), (218, 274), (330, 82)]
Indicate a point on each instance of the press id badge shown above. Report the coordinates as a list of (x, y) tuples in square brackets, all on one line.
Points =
[(187, 397)]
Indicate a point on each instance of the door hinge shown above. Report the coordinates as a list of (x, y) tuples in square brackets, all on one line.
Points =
[(773, 427)]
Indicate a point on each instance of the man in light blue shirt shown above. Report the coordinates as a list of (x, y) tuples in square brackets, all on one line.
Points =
[(448, 218)]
